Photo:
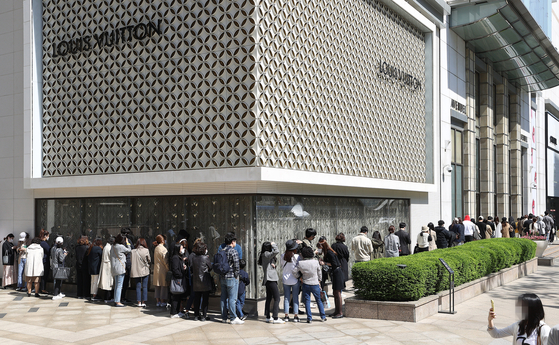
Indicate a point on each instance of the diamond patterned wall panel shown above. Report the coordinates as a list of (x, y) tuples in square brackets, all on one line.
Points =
[(274, 83), (180, 100), (321, 105)]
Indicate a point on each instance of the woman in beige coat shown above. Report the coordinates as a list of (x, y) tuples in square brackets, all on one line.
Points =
[(160, 268), (139, 271), (106, 279), (34, 269)]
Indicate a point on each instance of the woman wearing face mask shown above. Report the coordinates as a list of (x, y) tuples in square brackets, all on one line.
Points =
[(531, 330), (8, 259), (178, 268)]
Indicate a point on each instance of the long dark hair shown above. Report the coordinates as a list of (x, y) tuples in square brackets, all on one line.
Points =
[(289, 255), (266, 247), (326, 247), (532, 312)]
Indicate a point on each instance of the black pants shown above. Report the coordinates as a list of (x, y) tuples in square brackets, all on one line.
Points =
[(176, 300), (57, 285), (204, 295), (419, 249), (468, 238), (45, 276), (125, 286), (83, 280), (272, 291)]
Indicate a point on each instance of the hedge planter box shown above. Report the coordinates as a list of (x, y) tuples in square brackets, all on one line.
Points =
[(417, 310)]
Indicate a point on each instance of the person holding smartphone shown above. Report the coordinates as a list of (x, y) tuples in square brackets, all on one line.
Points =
[(530, 330)]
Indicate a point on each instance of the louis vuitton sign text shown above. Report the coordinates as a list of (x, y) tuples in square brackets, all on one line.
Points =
[(107, 38)]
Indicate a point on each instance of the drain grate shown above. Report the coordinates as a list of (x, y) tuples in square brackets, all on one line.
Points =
[(18, 298), (2, 315), (33, 310), (64, 304)]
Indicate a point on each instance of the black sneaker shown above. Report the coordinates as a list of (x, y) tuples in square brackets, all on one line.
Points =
[(286, 319), (244, 317), (309, 321), (324, 320), (296, 319)]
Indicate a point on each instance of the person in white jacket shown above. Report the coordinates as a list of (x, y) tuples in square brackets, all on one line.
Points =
[(531, 330), (106, 280), (34, 269)]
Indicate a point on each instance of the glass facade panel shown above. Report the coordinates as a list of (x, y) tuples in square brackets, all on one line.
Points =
[(277, 218)]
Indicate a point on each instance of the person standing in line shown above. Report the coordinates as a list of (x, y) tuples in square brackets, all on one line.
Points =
[(392, 243), (491, 224), (238, 248), (423, 239), (106, 280), (118, 265), (230, 282), (531, 330), (507, 230), (498, 227), (178, 269), (34, 268), (549, 225), (343, 254), (288, 262), (127, 233), (94, 257), (201, 279), (361, 246), (9, 251), (160, 269), (338, 282), (482, 227), (534, 227), (541, 226), (444, 237), (139, 271), (378, 245), (268, 261), (311, 273), (22, 260), (57, 257), (310, 234), (469, 228), (433, 234), (82, 268), (457, 232), (44, 236), (244, 281), (404, 238)]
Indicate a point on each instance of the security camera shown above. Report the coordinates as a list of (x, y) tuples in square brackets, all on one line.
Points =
[(448, 168)]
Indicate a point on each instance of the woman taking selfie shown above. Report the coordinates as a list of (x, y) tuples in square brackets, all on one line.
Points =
[(530, 330)]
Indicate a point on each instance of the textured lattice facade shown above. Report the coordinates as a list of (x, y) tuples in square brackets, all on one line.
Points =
[(289, 84)]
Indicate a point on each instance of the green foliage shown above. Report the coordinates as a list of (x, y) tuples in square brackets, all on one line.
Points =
[(424, 275)]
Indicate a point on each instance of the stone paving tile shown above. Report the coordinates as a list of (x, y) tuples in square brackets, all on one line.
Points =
[(85, 323)]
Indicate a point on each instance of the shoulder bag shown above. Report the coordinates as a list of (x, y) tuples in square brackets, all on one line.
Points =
[(61, 273), (5, 259), (177, 286)]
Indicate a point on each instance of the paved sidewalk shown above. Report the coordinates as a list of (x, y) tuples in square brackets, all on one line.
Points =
[(43, 321)]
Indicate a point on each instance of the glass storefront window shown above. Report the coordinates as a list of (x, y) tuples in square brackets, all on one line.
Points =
[(253, 218)]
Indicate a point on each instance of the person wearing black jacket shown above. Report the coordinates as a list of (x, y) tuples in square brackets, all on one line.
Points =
[(9, 251), (444, 237), (405, 240), (178, 270), (338, 283), (44, 235), (482, 227), (83, 279), (201, 266), (94, 255), (343, 254)]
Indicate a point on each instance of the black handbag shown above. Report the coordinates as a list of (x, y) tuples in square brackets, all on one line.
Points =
[(177, 286), (61, 273)]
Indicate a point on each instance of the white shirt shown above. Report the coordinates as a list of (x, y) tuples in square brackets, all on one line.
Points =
[(287, 269), (498, 229), (469, 228)]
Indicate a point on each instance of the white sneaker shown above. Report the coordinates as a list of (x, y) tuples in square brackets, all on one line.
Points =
[(280, 321), (237, 321), (62, 295), (54, 298), (269, 319), (176, 316)]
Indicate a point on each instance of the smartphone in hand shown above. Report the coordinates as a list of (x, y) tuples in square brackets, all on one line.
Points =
[(492, 306)]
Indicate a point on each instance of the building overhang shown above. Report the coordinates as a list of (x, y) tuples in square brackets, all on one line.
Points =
[(505, 33)]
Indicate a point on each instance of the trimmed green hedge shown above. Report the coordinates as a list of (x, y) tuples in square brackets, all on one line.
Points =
[(382, 280)]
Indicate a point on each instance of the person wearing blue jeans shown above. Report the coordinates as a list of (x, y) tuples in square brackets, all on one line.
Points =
[(315, 290), (119, 280), (244, 280), (142, 290), (21, 268), (230, 281)]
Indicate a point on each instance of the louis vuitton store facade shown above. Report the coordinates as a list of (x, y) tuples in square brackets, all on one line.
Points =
[(229, 116)]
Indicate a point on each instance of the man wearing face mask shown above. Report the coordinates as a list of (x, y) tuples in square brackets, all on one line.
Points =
[(8, 259)]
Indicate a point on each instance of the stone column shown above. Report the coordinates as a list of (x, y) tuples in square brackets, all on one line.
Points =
[(486, 137), (502, 141), (515, 157), (469, 145)]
